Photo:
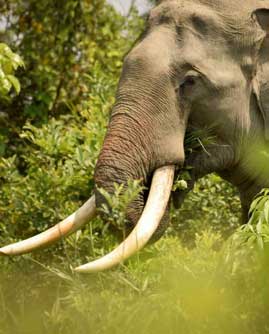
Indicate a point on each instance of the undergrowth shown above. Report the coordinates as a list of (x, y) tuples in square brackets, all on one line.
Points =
[(165, 289), (215, 287)]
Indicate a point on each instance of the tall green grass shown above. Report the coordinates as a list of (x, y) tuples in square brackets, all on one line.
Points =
[(215, 287)]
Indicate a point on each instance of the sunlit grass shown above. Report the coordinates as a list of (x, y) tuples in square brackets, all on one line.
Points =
[(216, 287)]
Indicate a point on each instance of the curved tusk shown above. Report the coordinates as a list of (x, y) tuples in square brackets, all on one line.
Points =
[(154, 210), (55, 233)]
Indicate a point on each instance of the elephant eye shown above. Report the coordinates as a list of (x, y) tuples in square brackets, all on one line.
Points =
[(188, 83)]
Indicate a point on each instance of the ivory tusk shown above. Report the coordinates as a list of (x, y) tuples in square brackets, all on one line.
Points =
[(154, 210), (71, 224)]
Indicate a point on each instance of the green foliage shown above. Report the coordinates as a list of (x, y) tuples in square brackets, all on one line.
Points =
[(256, 232), (212, 205), (72, 51), (119, 202), (9, 63), (166, 289), (195, 141), (53, 132), (198, 139)]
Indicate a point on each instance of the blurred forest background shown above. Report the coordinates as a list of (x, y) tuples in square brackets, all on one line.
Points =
[(60, 62)]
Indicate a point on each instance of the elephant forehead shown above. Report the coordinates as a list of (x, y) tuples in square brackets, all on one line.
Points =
[(180, 11), (229, 19), (189, 13), (233, 15), (238, 7)]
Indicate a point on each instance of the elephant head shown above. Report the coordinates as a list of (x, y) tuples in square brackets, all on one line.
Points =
[(199, 64)]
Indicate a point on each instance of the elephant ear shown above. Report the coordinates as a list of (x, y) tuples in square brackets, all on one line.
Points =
[(261, 80)]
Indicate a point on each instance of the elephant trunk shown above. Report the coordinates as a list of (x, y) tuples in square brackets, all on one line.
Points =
[(127, 154), (146, 129)]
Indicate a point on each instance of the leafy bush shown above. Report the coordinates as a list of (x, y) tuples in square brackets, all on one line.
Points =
[(256, 232), (213, 204), (46, 169), (9, 63), (72, 52)]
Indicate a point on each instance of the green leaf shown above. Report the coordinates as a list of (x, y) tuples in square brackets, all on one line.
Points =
[(15, 83)]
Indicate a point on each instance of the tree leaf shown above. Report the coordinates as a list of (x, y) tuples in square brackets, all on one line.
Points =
[(15, 83)]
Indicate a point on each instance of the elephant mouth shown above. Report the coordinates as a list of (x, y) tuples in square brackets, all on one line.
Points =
[(148, 223)]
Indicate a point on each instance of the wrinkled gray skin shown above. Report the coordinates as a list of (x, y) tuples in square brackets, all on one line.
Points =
[(200, 63)]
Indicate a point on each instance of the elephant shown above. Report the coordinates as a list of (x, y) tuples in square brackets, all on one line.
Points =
[(198, 64)]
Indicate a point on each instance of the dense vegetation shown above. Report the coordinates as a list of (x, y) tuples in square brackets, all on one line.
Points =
[(55, 100)]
